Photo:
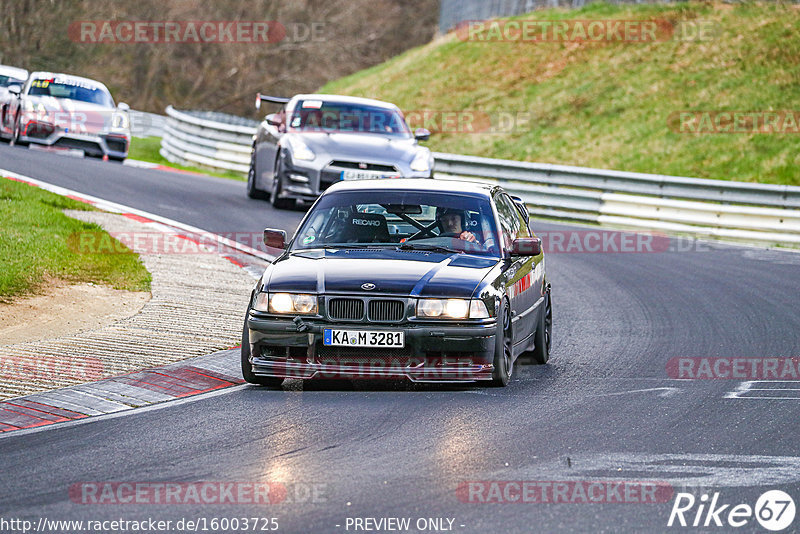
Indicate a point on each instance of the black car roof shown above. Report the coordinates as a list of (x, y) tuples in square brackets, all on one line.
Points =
[(415, 184)]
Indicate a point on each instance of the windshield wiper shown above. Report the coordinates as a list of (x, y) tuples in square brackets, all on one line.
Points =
[(356, 245), (428, 247)]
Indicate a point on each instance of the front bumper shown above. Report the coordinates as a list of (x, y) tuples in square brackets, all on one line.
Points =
[(283, 348), (96, 144)]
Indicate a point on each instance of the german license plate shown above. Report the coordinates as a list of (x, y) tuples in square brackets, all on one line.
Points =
[(334, 337), (362, 175)]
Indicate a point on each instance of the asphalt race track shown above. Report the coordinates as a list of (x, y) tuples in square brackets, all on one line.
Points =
[(603, 409)]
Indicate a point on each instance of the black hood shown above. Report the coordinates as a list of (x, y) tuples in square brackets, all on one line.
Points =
[(394, 272)]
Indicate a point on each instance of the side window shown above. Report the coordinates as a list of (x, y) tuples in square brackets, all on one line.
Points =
[(524, 230), (509, 219)]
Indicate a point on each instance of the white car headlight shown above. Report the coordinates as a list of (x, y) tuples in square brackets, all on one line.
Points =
[(421, 162), (300, 150), (120, 121), (296, 303), (452, 309)]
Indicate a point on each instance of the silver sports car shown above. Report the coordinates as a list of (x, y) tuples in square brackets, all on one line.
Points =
[(66, 111), (317, 140)]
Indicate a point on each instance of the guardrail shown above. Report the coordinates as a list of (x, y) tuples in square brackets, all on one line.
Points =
[(761, 213), (146, 124), (208, 139)]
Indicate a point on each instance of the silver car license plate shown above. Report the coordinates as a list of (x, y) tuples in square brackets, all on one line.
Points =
[(362, 175)]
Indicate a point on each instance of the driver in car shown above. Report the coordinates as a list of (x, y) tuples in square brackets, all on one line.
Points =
[(452, 222)]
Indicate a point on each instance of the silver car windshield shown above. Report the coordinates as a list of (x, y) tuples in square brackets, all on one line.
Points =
[(330, 117), (71, 90), (413, 220), (5, 81)]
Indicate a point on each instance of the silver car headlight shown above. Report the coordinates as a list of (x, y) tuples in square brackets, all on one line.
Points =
[(286, 303), (300, 150), (421, 162), (452, 309)]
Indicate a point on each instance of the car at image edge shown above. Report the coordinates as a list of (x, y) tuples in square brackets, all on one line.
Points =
[(67, 112)]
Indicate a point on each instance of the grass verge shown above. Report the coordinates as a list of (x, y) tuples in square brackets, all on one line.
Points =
[(37, 243), (146, 149), (610, 104)]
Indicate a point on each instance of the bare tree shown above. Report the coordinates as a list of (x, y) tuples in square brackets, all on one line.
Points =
[(350, 35)]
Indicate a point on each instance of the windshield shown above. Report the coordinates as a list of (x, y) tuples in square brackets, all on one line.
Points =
[(5, 81), (71, 89), (319, 116), (409, 221)]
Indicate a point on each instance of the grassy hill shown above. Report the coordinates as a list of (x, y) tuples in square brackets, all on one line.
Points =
[(612, 104)]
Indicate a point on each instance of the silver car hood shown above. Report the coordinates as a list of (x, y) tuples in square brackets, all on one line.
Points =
[(366, 147)]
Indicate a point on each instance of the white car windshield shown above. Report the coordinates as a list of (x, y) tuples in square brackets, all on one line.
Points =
[(72, 90), (418, 220)]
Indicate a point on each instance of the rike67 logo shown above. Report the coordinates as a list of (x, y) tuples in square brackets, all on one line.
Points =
[(774, 510)]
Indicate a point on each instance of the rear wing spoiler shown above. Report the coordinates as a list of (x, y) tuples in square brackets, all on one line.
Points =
[(271, 99)]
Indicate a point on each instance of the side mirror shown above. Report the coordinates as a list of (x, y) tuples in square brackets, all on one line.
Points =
[(122, 106), (422, 134), (275, 238), (526, 246), (15, 89), (274, 119)]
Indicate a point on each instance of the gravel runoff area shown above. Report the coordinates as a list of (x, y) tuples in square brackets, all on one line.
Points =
[(197, 307)]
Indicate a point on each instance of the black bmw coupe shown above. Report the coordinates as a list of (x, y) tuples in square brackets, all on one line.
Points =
[(431, 280)]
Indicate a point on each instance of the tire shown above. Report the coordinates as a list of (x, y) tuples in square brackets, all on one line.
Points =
[(252, 191), (277, 187), (247, 367), (503, 350), (16, 135), (543, 338)]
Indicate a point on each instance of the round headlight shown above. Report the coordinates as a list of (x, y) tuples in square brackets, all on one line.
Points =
[(456, 308), (430, 308), (304, 303), (281, 303)]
